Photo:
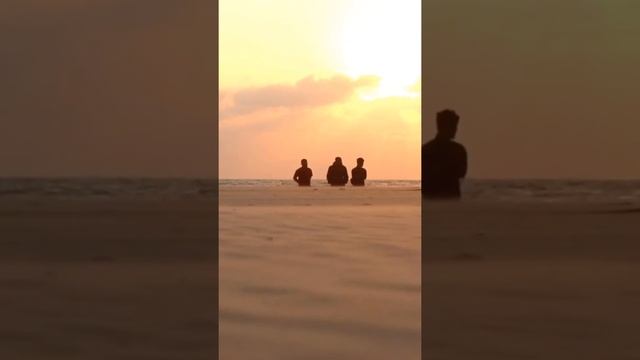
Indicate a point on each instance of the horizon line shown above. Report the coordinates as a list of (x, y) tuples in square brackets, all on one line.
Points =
[(151, 177)]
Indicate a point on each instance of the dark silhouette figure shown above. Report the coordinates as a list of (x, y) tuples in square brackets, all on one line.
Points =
[(444, 161), (303, 175), (358, 174), (337, 174)]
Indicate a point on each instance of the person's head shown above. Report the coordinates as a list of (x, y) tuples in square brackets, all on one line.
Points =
[(338, 161), (303, 162), (360, 162), (447, 121)]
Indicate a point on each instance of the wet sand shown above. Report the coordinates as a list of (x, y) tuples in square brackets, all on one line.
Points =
[(531, 281), (107, 279), (319, 273)]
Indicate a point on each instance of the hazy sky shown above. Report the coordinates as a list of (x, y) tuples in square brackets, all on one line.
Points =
[(319, 79), (545, 88), (107, 87)]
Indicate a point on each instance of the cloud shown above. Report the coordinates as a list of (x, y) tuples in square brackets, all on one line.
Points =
[(308, 92), (267, 144)]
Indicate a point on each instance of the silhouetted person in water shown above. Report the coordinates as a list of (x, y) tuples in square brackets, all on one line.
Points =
[(337, 174), (358, 174), (444, 161), (303, 175)]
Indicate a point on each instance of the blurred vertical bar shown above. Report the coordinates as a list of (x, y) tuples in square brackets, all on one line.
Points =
[(538, 260), (108, 179)]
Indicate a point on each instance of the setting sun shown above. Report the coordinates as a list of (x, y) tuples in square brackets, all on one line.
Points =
[(382, 38), (319, 79)]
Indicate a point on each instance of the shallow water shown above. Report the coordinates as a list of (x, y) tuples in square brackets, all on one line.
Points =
[(484, 190)]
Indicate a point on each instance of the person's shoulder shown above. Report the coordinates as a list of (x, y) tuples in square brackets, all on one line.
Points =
[(458, 145), (429, 143)]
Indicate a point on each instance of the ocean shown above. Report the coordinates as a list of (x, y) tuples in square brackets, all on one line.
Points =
[(617, 191)]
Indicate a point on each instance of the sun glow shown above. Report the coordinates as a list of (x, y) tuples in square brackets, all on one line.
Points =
[(382, 38), (289, 70)]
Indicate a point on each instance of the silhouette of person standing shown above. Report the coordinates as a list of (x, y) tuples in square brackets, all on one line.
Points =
[(358, 173), (303, 175), (337, 174), (444, 161)]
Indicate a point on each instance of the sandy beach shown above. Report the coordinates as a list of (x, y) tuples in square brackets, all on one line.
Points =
[(531, 280), (319, 273), (331, 274), (104, 278)]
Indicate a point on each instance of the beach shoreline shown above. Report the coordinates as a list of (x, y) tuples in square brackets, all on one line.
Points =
[(318, 273)]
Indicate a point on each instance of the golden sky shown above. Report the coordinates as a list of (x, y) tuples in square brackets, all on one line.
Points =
[(316, 80), (545, 88)]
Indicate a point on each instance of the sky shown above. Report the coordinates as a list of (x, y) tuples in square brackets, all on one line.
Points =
[(544, 88), (316, 80), (108, 88)]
